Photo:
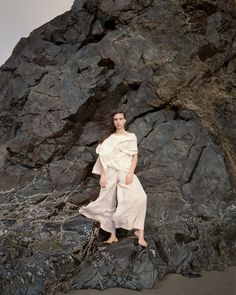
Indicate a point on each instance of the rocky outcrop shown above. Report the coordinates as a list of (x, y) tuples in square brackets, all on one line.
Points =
[(171, 66)]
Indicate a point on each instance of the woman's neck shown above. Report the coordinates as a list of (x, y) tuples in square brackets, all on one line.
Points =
[(121, 132)]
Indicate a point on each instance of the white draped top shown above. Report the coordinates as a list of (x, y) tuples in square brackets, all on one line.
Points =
[(116, 151)]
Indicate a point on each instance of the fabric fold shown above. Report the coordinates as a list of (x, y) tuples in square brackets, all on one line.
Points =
[(129, 145), (116, 151)]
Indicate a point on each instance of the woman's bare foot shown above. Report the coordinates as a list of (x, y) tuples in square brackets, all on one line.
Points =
[(139, 233), (112, 239), (142, 242)]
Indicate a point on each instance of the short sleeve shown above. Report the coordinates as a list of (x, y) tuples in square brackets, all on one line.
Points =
[(98, 148), (97, 168), (130, 146), (100, 164)]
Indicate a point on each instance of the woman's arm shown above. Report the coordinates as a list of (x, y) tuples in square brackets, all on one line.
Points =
[(102, 180), (130, 174), (134, 163)]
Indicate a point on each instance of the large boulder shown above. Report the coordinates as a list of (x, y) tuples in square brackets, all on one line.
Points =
[(170, 65)]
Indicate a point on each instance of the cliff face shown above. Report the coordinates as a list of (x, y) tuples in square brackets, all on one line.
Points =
[(171, 66)]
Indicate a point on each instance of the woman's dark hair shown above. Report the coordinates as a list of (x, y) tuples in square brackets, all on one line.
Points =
[(110, 127)]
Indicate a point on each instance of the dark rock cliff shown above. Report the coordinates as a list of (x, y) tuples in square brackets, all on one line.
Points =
[(171, 66)]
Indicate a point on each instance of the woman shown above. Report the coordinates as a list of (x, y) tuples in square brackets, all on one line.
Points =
[(122, 201)]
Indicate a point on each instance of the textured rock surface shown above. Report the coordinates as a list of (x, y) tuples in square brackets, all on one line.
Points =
[(171, 66)]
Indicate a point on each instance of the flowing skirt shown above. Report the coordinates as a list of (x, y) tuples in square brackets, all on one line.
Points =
[(118, 205)]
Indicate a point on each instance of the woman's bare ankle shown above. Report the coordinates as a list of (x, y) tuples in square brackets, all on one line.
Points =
[(136, 233), (139, 233)]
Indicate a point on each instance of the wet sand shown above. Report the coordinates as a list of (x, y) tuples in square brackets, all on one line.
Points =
[(210, 283)]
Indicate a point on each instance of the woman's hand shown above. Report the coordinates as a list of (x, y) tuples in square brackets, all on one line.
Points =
[(129, 178), (102, 181)]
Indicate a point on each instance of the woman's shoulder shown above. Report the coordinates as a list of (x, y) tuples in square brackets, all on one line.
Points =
[(131, 134)]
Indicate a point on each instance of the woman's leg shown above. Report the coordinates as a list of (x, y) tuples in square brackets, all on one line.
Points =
[(131, 208), (103, 208)]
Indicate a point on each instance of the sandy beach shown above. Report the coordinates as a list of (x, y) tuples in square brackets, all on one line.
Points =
[(209, 283)]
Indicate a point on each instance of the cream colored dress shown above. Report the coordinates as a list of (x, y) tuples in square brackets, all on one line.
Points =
[(118, 205)]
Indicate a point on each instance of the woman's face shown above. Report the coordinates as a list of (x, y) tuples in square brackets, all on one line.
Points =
[(119, 121)]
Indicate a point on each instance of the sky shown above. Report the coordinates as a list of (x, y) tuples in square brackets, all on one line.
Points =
[(20, 17)]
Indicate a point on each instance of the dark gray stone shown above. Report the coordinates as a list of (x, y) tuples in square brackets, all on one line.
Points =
[(170, 65)]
